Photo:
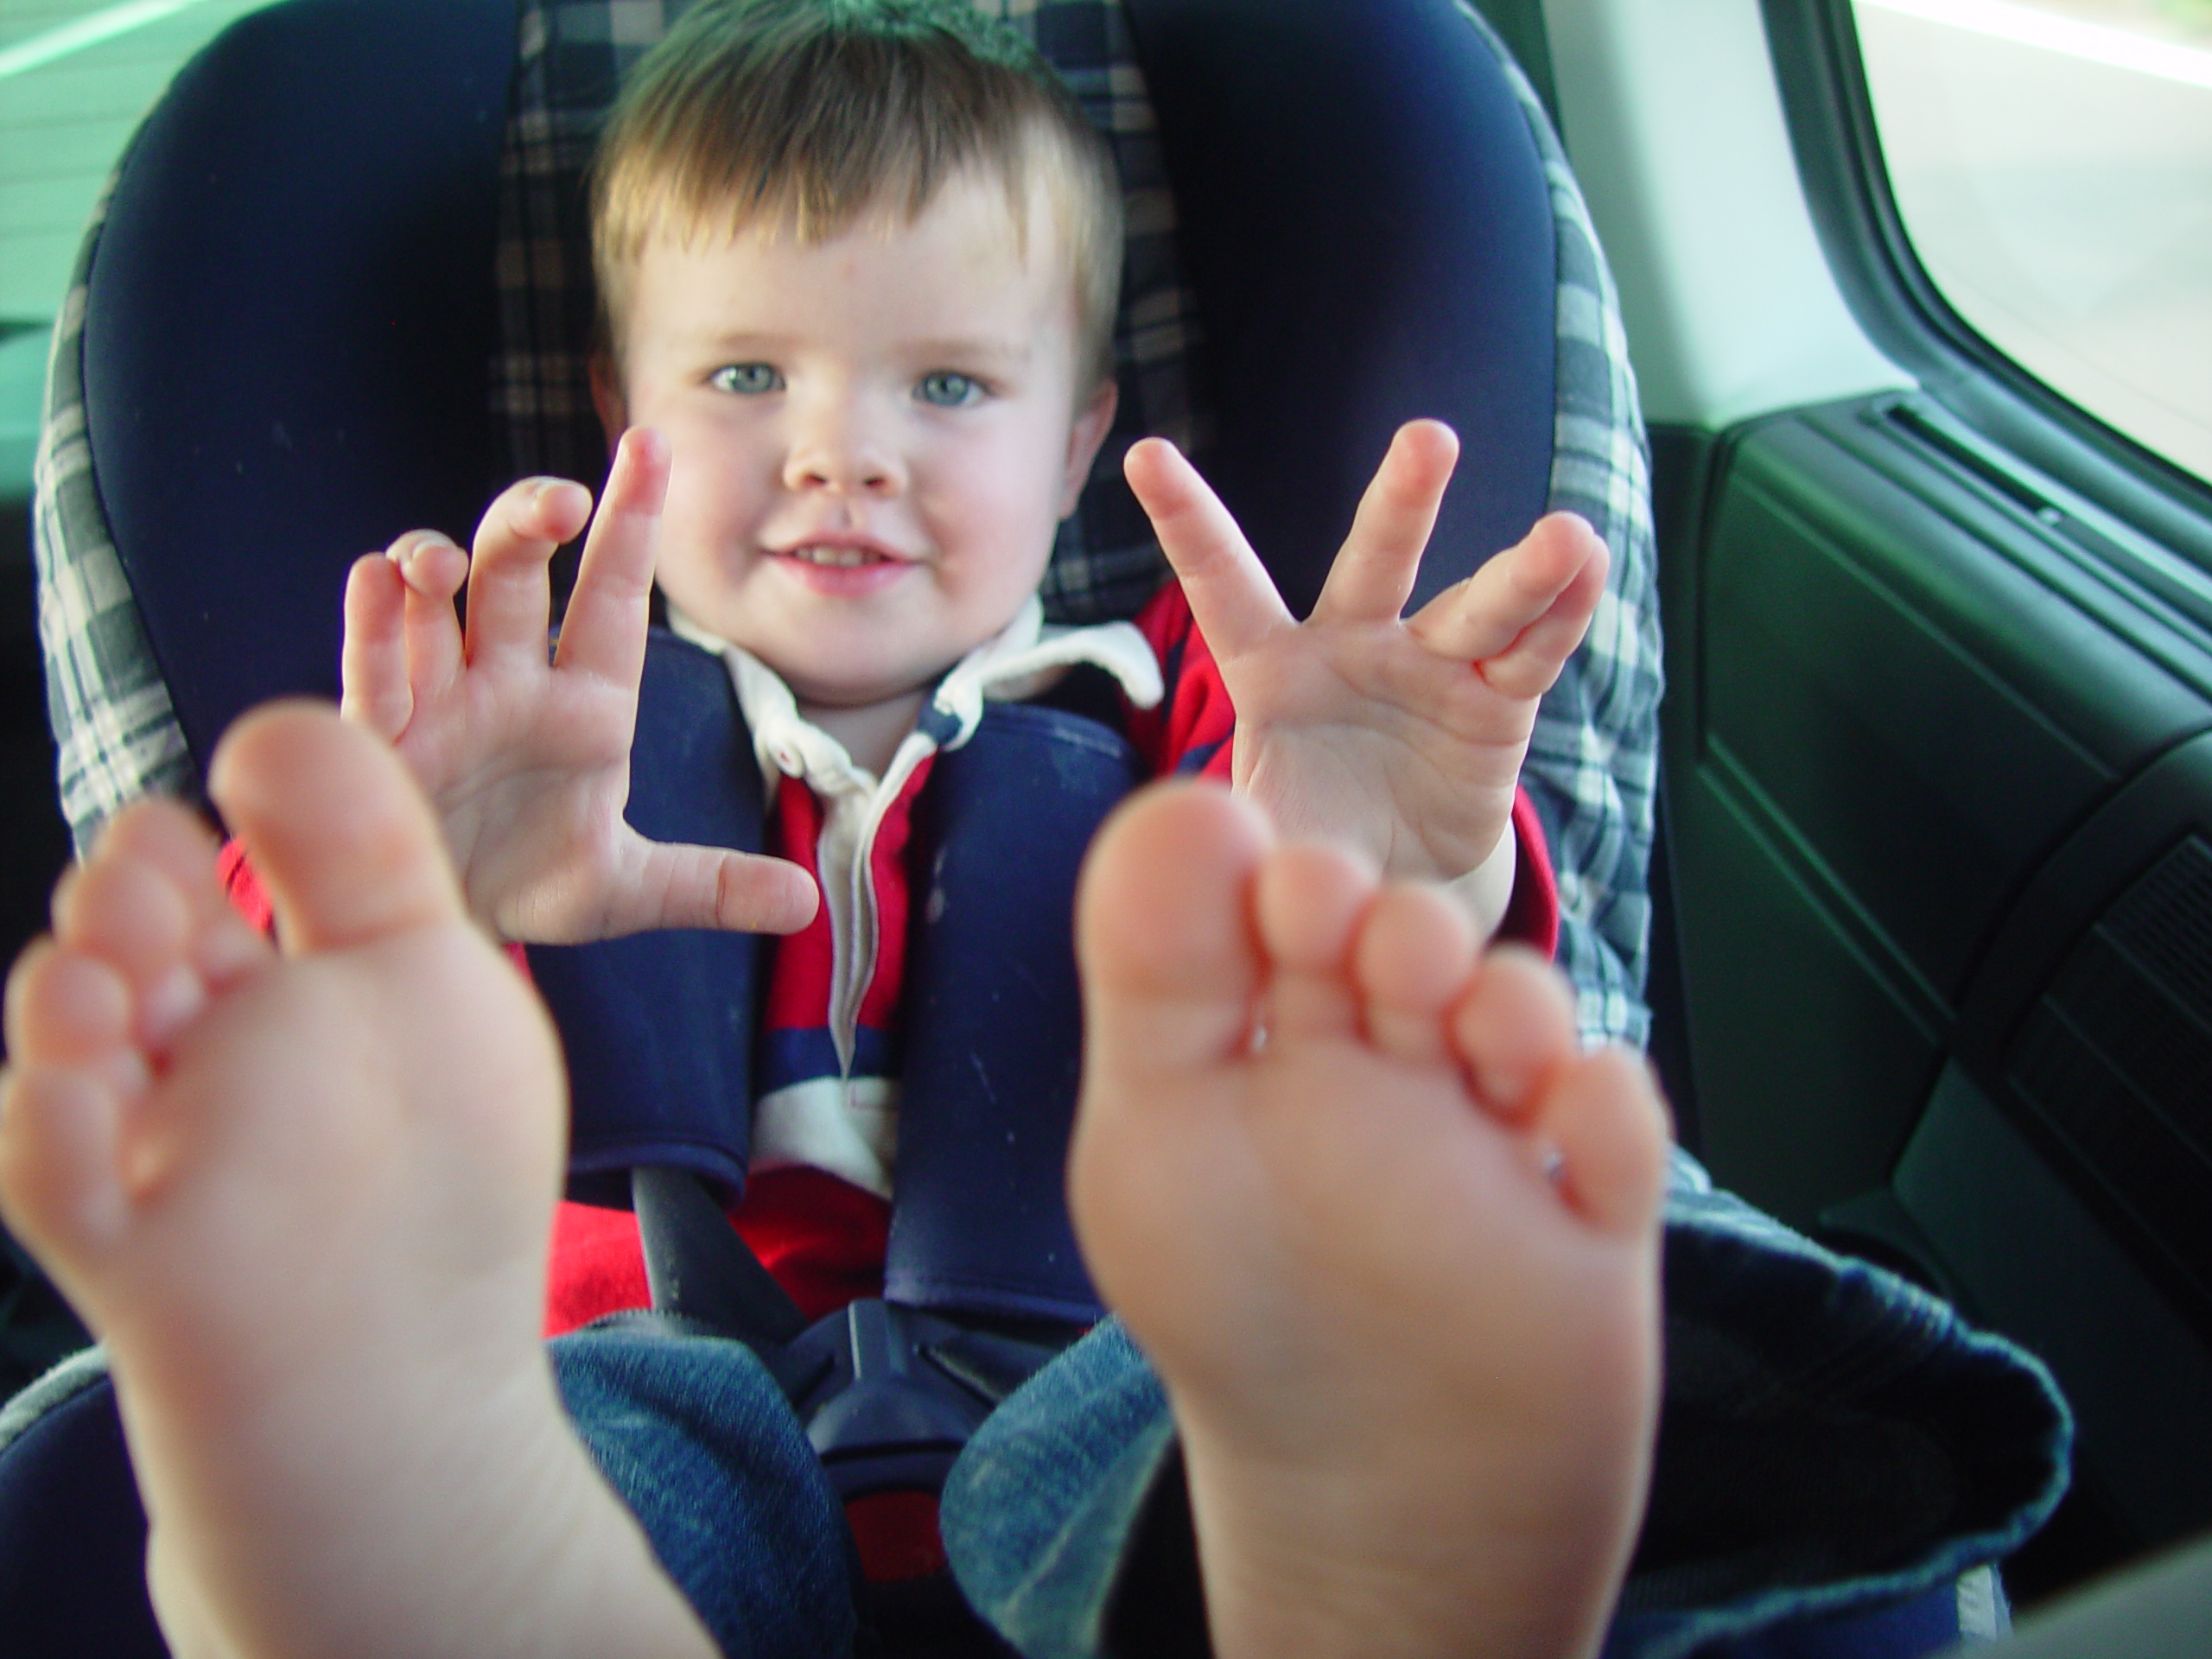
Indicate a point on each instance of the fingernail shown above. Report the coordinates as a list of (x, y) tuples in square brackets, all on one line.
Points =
[(412, 548)]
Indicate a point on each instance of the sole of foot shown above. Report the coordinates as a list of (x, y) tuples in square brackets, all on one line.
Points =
[(1391, 1241), (304, 1196)]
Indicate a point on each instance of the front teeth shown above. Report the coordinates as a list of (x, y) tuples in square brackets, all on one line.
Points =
[(843, 557)]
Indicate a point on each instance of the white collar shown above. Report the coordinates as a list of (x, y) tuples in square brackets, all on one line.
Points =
[(1018, 661)]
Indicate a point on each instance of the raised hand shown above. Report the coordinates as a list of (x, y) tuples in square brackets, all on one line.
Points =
[(1401, 736), (527, 759)]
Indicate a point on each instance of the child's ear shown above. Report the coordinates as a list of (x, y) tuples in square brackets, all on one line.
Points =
[(1092, 422), (606, 398)]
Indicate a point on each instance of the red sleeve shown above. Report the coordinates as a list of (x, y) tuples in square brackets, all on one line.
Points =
[(1191, 730), (242, 886), (1532, 913)]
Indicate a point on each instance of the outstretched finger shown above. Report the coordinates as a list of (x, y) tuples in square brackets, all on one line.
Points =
[(372, 664), (510, 584), (676, 885), (603, 634), (431, 570), (1375, 571), (1521, 616), (1232, 597), (1528, 667)]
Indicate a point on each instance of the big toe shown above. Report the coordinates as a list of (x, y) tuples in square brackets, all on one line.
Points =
[(336, 828), (1164, 930)]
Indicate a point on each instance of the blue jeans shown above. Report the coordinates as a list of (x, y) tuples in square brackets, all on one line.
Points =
[(1839, 1457), (1837, 1453)]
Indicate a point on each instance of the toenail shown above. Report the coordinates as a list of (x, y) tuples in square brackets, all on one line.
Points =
[(1551, 1163)]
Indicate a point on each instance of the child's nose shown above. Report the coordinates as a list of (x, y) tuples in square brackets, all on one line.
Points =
[(836, 449)]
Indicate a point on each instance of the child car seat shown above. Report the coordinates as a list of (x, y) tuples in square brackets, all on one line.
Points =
[(339, 288)]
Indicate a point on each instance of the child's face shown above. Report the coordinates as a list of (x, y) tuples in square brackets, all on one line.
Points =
[(872, 438)]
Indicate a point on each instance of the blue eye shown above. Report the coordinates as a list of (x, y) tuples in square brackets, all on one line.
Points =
[(746, 379), (948, 389)]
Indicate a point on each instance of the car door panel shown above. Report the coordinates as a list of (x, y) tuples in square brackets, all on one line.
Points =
[(1940, 787)]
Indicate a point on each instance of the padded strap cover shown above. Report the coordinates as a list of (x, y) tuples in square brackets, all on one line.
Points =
[(993, 1020), (659, 1028)]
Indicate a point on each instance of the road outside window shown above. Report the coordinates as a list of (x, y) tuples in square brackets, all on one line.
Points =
[(2052, 161)]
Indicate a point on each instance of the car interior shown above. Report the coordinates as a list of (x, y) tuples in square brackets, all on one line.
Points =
[(1917, 296)]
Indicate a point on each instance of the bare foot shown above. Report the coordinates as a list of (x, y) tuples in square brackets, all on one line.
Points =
[(1391, 1243), (305, 1201)]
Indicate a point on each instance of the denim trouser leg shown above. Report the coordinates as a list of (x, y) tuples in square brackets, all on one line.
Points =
[(1044, 1512), (1838, 1457), (697, 1438), (1835, 1452)]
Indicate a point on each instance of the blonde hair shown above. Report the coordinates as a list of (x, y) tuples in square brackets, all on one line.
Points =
[(805, 114)]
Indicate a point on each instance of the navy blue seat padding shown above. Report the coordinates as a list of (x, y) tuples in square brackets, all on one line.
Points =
[(73, 1539), (658, 1028), (993, 1020), (1367, 228), (288, 333)]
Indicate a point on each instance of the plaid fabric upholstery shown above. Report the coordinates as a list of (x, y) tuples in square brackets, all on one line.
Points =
[(1592, 763), (1593, 760), (112, 720)]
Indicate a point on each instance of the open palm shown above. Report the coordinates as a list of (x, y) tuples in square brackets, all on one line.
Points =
[(526, 757), (1401, 736)]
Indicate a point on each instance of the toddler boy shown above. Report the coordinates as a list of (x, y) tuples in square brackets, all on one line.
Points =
[(860, 265), (1387, 1242)]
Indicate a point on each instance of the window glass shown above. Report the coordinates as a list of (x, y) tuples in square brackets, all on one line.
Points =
[(75, 77), (2052, 162)]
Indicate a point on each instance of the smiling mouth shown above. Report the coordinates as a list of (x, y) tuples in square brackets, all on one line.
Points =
[(841, 558)]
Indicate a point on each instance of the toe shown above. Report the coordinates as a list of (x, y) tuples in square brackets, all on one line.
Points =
[(1163, 930), (1606, 1119), (335, 826), (126, 912), (167, 836), (66, 1009), (164, 836), (141, 906), (1412, 959), (58, 1191), (1514, 1027), (1309, 901)]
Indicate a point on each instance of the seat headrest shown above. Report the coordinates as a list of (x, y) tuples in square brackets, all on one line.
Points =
[(355, 224)]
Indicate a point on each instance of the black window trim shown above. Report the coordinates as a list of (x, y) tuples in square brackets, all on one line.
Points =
[(1822, 80)]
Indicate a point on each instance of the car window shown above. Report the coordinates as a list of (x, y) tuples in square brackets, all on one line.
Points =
[(2052, 162), (76, 76)]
